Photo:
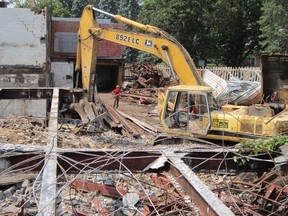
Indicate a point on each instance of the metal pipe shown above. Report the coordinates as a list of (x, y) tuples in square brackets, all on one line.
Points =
[(170, 64), (104, 12), (127, 21)]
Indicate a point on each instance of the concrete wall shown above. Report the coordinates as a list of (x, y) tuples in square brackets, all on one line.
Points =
[(62, 74), (36, 108), (22, 80), (23, 47), (22, 37)]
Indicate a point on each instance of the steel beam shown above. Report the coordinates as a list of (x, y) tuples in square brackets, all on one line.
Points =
[(30, 93), (47, 205), (205, 200)]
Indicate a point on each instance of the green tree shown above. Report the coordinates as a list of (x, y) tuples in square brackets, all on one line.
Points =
[(234, 30), (182, 19), (67, 3), (108, 6), (129, 9), (19, 3), (225, 31), (274, 26), (77, 7), (54, 6)]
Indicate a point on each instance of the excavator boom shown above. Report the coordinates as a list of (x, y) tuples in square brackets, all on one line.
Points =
[(157, 42), (186, 109)]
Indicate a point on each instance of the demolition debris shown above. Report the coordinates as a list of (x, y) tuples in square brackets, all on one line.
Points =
[(32, 131), (148, 76)]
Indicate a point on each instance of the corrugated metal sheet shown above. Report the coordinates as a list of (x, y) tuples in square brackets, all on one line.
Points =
[(215, 82), (233, 90)]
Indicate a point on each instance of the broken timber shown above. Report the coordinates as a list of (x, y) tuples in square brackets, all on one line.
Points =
[(127, 126), (141, 124)]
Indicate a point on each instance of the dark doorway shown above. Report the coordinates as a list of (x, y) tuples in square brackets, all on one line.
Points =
[(106, 78)]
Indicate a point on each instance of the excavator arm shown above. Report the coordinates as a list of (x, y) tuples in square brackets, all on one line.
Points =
[(233, 123), (154, 41), (86, 55)]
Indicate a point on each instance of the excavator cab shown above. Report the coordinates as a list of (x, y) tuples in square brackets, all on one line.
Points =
[(186, 110)]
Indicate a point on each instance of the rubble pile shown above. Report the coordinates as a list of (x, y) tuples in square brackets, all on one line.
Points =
[(103, 193), (249, 194), (148, 76), (34, 131), (98, 117), (23, 130), (16, 192), (123, 194), (147, 82)]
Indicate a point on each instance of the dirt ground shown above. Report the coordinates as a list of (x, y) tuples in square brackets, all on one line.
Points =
[(32, 131), (144, 113)]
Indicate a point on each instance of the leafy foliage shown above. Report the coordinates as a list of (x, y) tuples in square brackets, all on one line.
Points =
[(77, 7), (259, 146), (145, 57), (19, 3), (234, 30), (274, 26), (108, 6), (55, 7), (182, 19), (67, 3), (222, 30)]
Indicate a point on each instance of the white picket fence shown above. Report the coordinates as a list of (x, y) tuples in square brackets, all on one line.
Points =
[(252, 74)]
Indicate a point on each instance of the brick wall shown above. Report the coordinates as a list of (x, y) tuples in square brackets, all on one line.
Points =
[(64, 40)]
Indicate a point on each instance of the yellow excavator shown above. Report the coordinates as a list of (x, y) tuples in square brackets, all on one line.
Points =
[(187, 109)]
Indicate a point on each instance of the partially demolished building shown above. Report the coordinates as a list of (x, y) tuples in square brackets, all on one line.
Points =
[(48, 167)]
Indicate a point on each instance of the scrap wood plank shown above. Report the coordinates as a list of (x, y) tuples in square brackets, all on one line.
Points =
[(138, 96), (110, 121), (141, 124), (142, 83), (126, 124), (113, 117)]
